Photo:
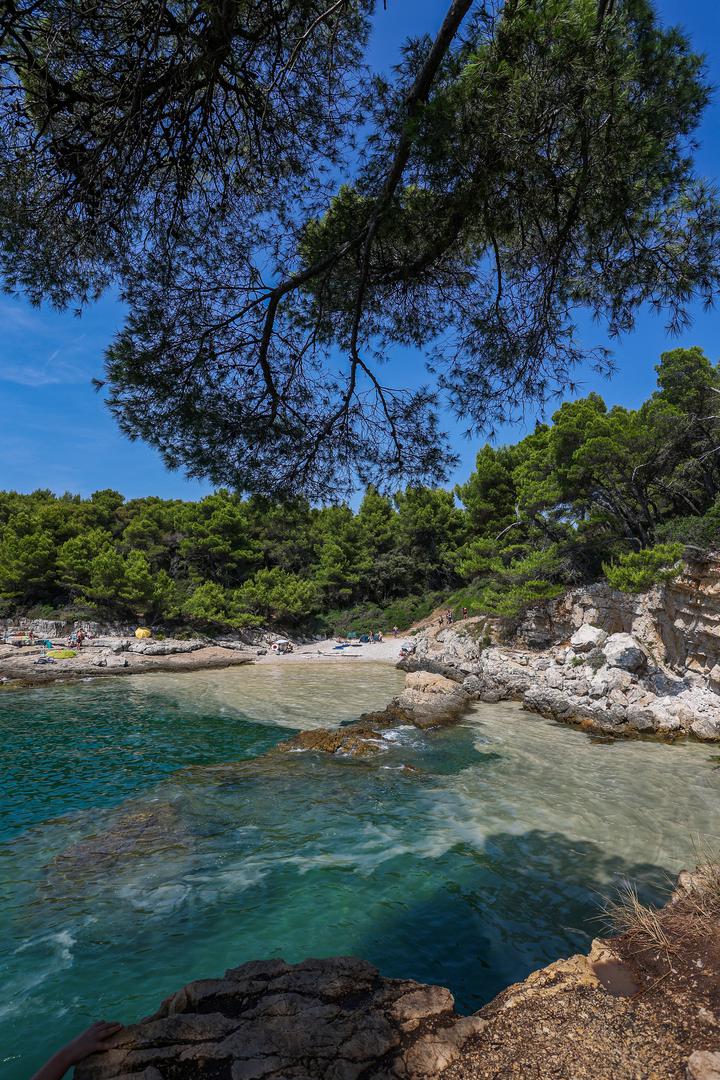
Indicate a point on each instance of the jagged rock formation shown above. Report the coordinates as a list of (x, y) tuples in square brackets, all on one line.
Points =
[(608, 661), (331, 1019), (617, 688), (677, 623)]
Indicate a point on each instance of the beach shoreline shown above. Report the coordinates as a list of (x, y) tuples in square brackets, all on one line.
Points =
[(19, 668), (387, 651)]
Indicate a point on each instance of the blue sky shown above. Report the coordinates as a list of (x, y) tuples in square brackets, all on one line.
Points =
[(56, 432)]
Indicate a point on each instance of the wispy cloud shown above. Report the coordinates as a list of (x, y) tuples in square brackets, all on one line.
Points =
[(53, 372), (44, 348), (17, 316)]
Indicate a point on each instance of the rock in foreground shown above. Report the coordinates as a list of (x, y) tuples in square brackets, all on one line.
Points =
[(642, 1006), (331, 1019)]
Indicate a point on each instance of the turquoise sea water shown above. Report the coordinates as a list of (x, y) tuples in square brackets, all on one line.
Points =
[(149, 835)]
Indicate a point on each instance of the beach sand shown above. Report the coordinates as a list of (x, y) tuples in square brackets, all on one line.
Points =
[(387, 651)]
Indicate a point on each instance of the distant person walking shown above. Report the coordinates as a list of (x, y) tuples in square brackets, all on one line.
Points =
[(395, 630), (465, 613)]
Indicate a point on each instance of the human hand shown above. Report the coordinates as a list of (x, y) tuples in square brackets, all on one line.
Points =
[(90, 1041), (87, 1042)]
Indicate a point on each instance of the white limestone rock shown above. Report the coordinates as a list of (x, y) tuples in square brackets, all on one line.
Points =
[(588, 637), (623, 651)]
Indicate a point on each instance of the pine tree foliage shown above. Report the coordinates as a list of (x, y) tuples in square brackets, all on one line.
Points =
[(277, 219)]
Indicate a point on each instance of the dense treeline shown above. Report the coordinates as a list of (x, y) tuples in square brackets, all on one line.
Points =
[(597, 491)]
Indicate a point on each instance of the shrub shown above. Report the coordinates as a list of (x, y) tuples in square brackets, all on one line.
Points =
[(596, 659), (511, 600), (703, 532), (638, 571), (363, 617)]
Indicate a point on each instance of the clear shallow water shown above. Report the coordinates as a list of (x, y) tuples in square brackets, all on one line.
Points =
[(133, 857)]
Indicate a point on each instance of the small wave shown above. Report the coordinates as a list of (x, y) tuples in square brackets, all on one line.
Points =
[(55, 949), (62, 939)]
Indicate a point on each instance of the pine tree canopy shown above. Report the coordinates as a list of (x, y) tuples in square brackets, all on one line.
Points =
[(277, 218)]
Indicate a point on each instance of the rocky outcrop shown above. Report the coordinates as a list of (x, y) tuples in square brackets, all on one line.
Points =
[(611, 662), (360, 738), (427, 700), (27, 666), (168, 647), (678, 624), (588, 638), (617, 688), (331, 1019)]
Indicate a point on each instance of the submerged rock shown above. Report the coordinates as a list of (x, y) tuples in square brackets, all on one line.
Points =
[(138, 831)]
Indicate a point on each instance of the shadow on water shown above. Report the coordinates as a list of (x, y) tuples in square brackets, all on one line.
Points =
[(522, 902), (463, 870)]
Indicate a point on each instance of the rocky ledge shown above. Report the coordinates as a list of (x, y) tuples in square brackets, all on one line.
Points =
[(331, 1019), (19, 668), (642, 1006)]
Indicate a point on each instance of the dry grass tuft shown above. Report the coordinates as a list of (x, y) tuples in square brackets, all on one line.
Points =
[(641, 924), (700, 890), (695, 910)]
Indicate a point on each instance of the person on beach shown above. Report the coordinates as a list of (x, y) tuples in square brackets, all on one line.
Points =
[(88, 1042), (80, 637), (395, 630)]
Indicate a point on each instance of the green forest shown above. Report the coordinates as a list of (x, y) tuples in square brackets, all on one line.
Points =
[(595, 493)]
